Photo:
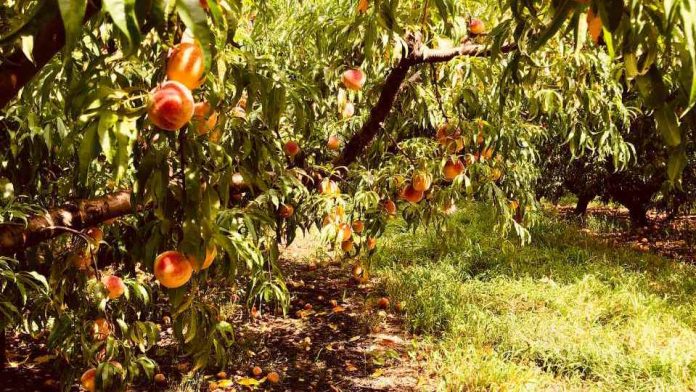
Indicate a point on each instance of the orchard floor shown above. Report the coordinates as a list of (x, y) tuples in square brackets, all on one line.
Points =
[(334, 338), (594, 306)]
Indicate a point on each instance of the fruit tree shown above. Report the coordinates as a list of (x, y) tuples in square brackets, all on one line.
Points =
[(159, 151)]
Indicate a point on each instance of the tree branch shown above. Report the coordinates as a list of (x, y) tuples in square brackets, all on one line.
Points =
[(77, 215), (393, 84), (17, 70)]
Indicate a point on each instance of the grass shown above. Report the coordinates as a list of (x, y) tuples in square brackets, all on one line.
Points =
[(563, 313)]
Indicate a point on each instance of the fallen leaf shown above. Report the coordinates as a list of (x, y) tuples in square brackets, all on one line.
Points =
[(245, 381), (350, 367), (354, 338), (377, 373), (43, 359), (338, 309)]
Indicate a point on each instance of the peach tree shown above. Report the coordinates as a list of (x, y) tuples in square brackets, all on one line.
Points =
[(161, 151)]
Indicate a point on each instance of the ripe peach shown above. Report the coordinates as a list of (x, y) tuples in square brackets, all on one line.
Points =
[(88, 380), (389, 207), (80, 259), (114, 285), (172, 269), (383, 303), (273, 377), (210, 254), (291, 148), (96, 233), (160, 378), (476, 26), (171, 106), (257, 371), (204, 4), (285, 211), (409, 194), (205, 117), (334, 143), (344, 232), (100, 329), (186, 64), (347, 245), (238, 180), (594, 25), (363, 6), (371, 243), (329, 187), (358, 226), (348, 111), (421, 181), (353, 79), (452, 169)]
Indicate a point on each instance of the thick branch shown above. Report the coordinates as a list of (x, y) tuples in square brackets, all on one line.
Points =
[(76, 215), (17, 70), (417, 55)]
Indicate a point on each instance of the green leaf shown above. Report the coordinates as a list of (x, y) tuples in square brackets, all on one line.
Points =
[(194, 17), (72, 12), (89, 149), (676, 165), (668, 125), (122, 12), (559, 17), (611, 12), (688, 14)]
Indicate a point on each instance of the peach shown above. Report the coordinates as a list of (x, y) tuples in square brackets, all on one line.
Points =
[(348, 111), (594, 26), (88, 380), (114, 285), (383, 303), (347, 245), (172, 269), (476, 26), (95, 233), (285, 211), (353, 79), (371, 243), (205, 117), (291, 148), (452, 169), (363, 6), (409, 194), (80, 259), (171, 106), (358, 226), (389, 207), (334, 143), (257, 371), (186, 64), (238, 180), (160, 378), (210, 254), (421, 181), (273, 377), (329, 187), (100, 329), (344, 232)]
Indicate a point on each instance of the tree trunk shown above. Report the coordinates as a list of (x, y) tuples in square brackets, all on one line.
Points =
[(638, 214), (583, 201), (3, 348)]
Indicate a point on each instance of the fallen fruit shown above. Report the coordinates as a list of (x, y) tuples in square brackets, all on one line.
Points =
[(256, 371), (273, 377), (383, 303)]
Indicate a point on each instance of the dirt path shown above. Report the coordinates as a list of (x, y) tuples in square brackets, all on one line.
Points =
[(335, 337)]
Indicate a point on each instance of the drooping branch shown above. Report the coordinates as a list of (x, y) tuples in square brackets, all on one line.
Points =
[(418, 54), (81, 214), (17, 70), (75, 215)]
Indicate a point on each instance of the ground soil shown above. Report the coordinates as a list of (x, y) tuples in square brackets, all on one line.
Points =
[(673, 238), (334, 338)]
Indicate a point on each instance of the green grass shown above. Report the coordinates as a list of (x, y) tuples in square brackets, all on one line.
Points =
[(563, 313)]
